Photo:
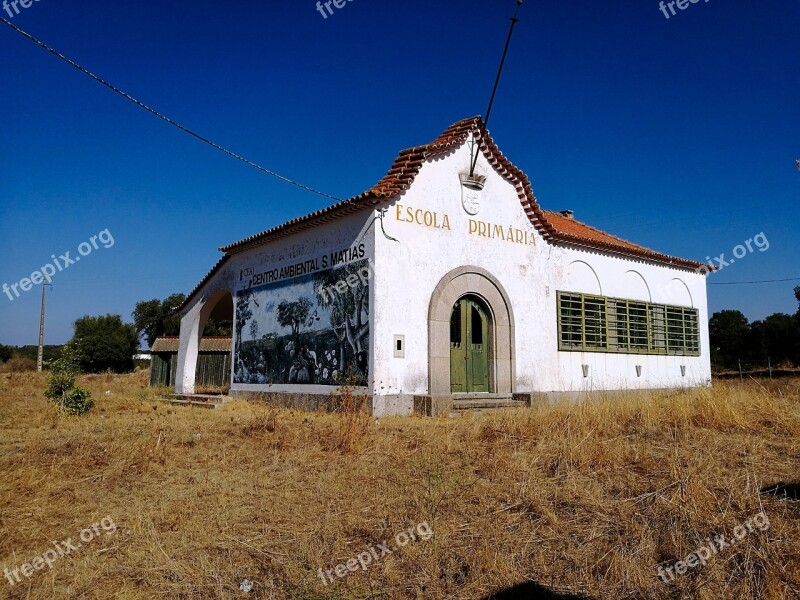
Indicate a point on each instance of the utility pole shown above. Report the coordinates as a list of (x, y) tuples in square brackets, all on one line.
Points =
[(41, 332)]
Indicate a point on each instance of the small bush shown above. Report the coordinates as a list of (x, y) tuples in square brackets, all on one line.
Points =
[(61, 387), (77, 401)]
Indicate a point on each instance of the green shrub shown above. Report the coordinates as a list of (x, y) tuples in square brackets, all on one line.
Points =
[(61, 387), (77, 401)]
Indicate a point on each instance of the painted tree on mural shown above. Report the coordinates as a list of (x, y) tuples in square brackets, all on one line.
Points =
[(349, 309), (243, 315), (293, 314), (254, 329)]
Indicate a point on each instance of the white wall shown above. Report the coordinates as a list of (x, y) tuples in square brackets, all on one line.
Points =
[(620, 277)]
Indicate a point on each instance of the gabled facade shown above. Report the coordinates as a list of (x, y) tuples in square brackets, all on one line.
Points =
[(435, 286)]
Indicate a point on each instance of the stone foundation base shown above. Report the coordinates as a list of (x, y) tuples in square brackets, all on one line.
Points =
[(301, 401), (430, 405)]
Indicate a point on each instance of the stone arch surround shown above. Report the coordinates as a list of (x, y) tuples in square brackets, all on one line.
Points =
[(478, 282)]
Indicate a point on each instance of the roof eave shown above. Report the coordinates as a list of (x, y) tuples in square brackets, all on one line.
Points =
[(400, 177), (652, 256)]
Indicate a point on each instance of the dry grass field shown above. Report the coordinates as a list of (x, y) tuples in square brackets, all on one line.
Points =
[(585, 500)]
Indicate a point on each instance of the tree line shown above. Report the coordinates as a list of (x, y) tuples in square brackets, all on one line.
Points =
[(107, 343), (734, 338)]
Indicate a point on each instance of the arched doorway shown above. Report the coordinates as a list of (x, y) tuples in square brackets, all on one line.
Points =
[(469, 345), (214, 358), (464, 294)]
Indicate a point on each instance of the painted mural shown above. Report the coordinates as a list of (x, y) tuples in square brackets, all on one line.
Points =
[(312, 329)]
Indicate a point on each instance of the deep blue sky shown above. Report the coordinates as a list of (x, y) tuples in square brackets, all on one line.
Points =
[(679, 134)]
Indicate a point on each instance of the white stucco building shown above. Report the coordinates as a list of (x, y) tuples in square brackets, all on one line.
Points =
[(464, 290)]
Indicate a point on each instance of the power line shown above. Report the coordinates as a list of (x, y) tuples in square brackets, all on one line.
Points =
[(749, 282), (164, 117), (514, 21)]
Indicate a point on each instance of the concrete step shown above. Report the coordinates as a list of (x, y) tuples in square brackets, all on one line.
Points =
[(455, 414), (198, 400), (486, 403)]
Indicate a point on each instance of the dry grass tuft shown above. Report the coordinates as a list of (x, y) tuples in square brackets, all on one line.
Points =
[(352, 427), (18, 364), (587, 498), (262, 424)]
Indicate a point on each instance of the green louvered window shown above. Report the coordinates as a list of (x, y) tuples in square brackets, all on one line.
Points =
[(588, 323), (570, 321)]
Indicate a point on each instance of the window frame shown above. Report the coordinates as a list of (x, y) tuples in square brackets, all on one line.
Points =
[(651, 323)]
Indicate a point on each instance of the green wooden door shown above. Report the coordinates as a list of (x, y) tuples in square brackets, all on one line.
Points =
[(469, 356)]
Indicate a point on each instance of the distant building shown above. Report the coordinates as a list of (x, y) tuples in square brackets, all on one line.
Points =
[(213, 361), (464, 288)]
